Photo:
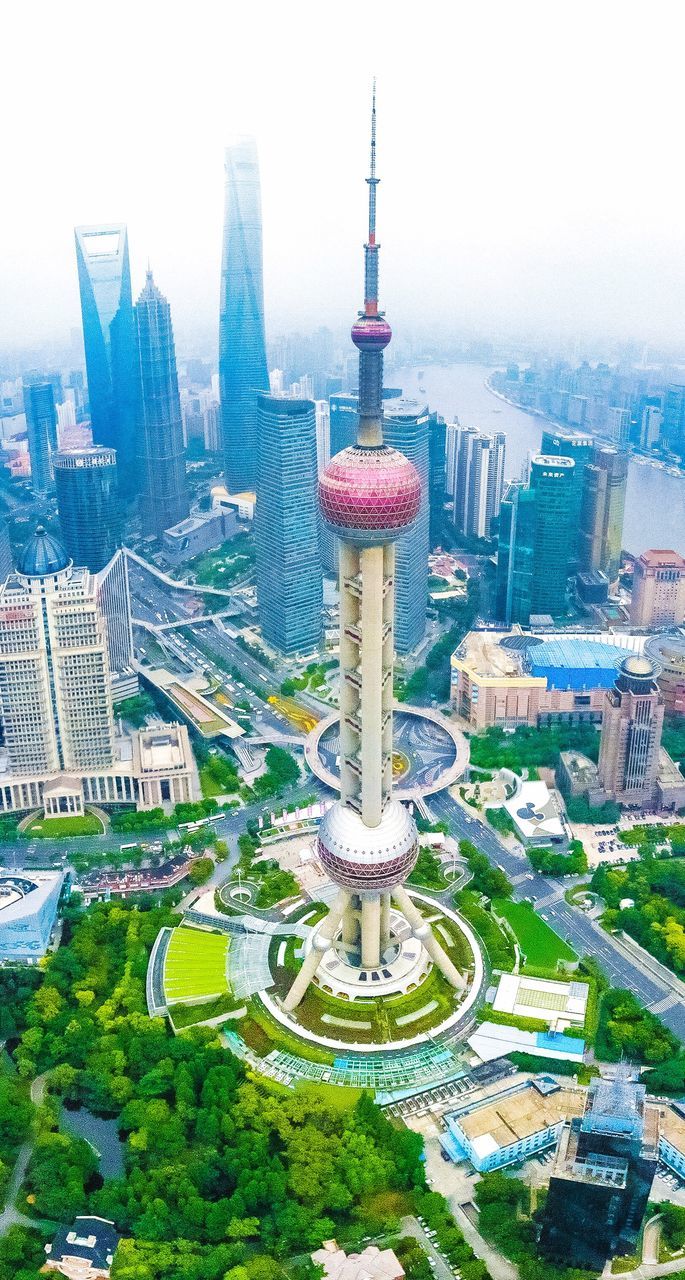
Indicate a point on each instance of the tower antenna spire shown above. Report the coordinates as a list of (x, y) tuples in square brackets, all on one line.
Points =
[(371, 248)]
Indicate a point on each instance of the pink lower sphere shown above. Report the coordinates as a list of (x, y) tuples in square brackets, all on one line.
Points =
[(370, 491)]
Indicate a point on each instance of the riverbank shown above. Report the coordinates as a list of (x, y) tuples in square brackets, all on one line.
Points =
[(641, 459)]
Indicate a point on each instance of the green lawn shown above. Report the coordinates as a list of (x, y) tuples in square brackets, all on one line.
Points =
[(195, 965), (55, 828), (540, 944)]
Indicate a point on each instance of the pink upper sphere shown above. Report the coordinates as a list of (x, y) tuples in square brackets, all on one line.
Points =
[(371, 333), (370, 495)]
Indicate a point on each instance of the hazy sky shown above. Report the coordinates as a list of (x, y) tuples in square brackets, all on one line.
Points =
[(530, 155)]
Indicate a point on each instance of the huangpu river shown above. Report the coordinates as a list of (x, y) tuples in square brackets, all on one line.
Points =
[(655, 501)]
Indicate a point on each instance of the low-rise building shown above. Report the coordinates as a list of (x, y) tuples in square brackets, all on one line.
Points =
[(28, 908), (372, 1264), (510, 1125), (537, 814), (84, 1251), (197, 534), (561, 1004)]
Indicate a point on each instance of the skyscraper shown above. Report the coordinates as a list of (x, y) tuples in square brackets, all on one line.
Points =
[(405, 428), (478, 461), (6, 559), (658, 598), (437, 429), (602, 1174), (367, 841), (673, 426), (110, 344), (288, 559), (631, 734), (88, 505), (581, 448), (41, 429), (535, 543), (54, 671), (601, 512), (164, 495), (242, 345), (552, 482)]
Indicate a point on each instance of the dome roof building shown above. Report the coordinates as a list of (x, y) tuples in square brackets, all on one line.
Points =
[(42, 556)]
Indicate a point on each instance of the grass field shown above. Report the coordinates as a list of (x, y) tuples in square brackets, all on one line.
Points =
[(195, 965), (55, 828), (540, 944)]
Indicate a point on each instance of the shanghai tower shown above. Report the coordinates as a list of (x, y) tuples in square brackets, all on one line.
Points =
[(367, 842), (242, 346)]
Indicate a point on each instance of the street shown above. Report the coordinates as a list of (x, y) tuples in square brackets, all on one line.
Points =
[(586, 936)]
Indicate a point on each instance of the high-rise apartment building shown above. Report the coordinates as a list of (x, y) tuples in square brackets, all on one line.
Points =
[(651, 420), (535, 542), (478, 467), (658, 598), (242, 344), (618, 426), (602, 1175), (88, 505), (631, 734), (288, 558), (673, 427), (601, 512), (406, 429), (164, 494), (109, 338), (54, 669), (41, 429)]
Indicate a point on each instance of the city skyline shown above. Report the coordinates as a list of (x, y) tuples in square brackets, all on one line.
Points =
[(583, 247)]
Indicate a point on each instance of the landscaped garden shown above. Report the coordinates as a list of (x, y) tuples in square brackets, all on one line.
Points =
[(195, 965), (85, 824), (541, 946)]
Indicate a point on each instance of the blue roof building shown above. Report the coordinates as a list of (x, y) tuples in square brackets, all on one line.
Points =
[(575, 664)]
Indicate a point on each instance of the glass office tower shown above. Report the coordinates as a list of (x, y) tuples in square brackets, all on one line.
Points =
[(535, 545), (88, 505), (110, 344), (406, 428), (242, 345), (581, 448), (41, 429), (164, 494), (288, 559)]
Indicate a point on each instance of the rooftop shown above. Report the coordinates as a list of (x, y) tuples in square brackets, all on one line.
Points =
[(42, 555), (372, 1264), (516, 1116), (656, 559), (93, 1239)]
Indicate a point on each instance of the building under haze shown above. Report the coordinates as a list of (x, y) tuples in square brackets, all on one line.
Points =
[(88, 504), (41, 430), (242, 345), (288, 558), (477, 462), (658, 598), (110, 343), (6, 558), (163, 493), (406, 428), (601, 513), (535, 542)]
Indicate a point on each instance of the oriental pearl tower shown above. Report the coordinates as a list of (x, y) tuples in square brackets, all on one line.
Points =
[(367, 842)]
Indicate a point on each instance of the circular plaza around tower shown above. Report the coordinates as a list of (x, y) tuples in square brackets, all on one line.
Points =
[(429, 753)]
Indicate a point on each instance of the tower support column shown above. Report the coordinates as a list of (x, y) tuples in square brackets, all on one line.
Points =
[(371, 559), (371, 933), (321, 943), (385, 921), (424, 934)]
